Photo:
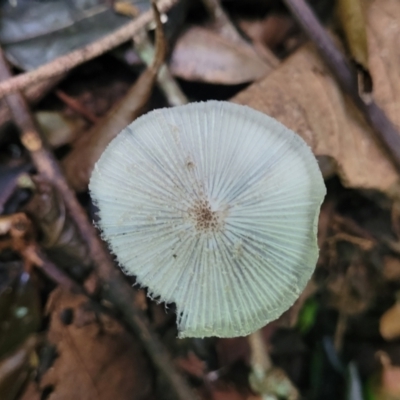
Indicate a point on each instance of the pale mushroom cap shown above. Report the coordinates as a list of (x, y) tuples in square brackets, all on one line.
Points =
[(212, 206)]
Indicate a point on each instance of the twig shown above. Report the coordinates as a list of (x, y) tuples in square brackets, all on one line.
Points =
[(221, 20), (166, 82), (33, 253), (144, 47), (32, 94), (79, 163), (67, 62), (114, 286), (259, 358), (76, 106), (386, 132)]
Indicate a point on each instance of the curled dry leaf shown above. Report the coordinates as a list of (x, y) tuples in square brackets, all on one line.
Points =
[(351, 18), (20, 311), (97, 358), (79, 163), (302, 94), (35, 32), (203, 54)]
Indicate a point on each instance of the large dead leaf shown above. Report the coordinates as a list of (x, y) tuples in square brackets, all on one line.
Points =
[(303, 95), (97, 358), (203, 54), (34, 32)]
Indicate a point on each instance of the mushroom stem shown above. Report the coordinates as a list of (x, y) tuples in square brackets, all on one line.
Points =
[(260, 360), (265, 379)]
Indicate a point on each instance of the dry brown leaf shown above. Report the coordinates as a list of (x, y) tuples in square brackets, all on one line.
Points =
[(192, 365), (203, 54), (389, 324), (303, 95), (31, 392), (391, 268), (351, 18), (97, 358), (386, 385)]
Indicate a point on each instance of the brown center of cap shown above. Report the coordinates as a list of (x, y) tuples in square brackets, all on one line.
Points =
[(204, 218)]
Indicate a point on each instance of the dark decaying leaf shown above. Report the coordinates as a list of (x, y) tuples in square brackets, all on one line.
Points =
[(33, 32), (20, 313), (327, 372), (9, 176), (15, 369), (58, 234), (97, 358)]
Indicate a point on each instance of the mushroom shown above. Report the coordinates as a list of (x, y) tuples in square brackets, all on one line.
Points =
[(212, 206)]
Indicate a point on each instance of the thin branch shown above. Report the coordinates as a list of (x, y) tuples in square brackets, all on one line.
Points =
[(32, 94), (114, 285), (387, 134), (222, 21), (76, 106), (166, 82), (39, 259), (79, 163), (259, 358), (65, 63)]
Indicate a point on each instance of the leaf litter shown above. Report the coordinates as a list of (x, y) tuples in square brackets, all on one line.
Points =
[(340, 339)]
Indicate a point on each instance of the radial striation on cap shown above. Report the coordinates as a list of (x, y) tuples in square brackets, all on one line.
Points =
[(212, 206)]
